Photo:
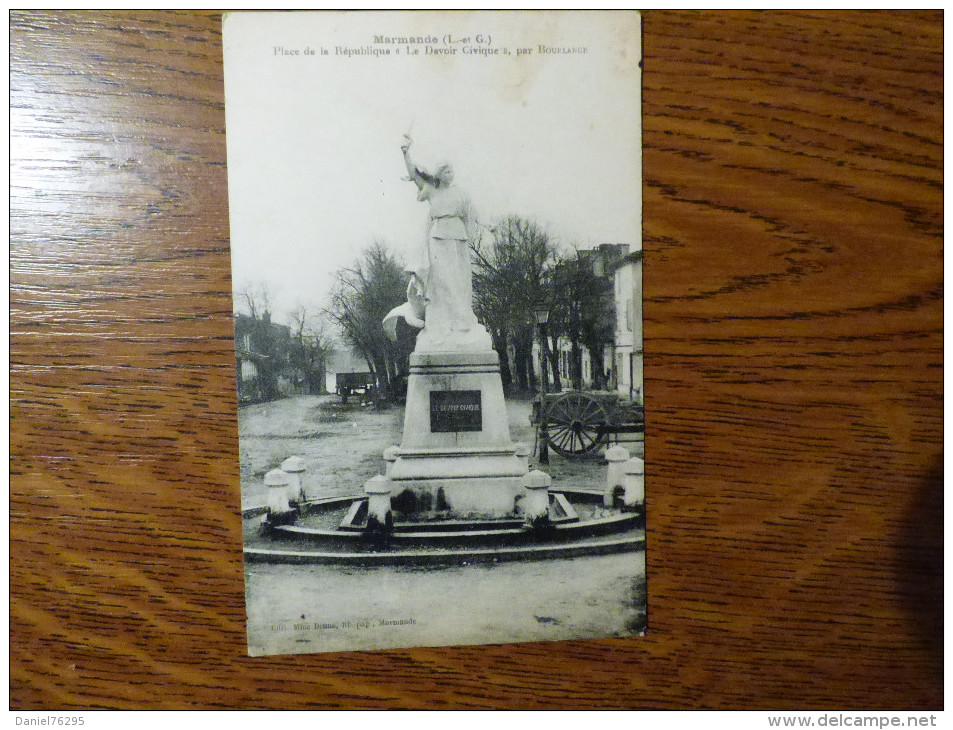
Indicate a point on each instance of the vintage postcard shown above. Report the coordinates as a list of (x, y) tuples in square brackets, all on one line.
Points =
[(437, 273)]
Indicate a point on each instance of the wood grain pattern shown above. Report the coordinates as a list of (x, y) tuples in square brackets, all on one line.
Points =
[(793, 306)]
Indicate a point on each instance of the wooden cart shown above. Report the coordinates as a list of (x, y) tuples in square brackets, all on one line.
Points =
[(579, 422), (348, 384)]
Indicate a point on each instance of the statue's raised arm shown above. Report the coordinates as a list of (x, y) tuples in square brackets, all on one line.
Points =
[(419, 177)]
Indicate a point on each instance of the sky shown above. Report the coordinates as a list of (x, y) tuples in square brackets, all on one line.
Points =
[(314, 160)]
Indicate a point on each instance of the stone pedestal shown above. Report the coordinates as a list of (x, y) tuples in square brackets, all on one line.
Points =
[(277, 482), (616, 456), (634, 482), (390, 456), (295, 468), (280, 511), (536, 505), (522, 453), (378, 491), (456, 451)]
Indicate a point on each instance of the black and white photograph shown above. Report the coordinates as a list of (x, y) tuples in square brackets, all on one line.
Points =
[(437, 292)]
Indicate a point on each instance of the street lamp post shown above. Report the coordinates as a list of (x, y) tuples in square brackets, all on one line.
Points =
[(541, 312)]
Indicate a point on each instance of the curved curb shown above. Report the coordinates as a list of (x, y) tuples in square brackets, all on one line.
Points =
[(617, 524), (319, 502), (439, 557)]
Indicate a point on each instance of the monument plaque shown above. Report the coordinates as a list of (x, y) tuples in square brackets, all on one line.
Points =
[(452, 411)]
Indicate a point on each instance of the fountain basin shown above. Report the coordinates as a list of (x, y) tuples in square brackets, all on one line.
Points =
[(332, 531)]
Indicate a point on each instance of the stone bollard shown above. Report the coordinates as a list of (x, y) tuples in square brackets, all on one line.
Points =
[(279, 511), (616, 456), (380, 520), (536, 503), (295, 469), (522, 453), (390, 456), (634, 482)]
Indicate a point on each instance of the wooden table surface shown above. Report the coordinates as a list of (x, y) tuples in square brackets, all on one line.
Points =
[(793, 321)]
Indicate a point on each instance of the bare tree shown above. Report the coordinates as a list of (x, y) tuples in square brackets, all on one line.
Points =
[(256, 298), (361, 298), (512, 276), (582, 311), (312, 346)]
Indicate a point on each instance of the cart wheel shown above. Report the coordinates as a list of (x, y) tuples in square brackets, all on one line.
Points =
[(575, 423)]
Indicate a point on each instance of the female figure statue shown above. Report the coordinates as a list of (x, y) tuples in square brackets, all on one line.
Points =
[(442, 270), (440, 293)]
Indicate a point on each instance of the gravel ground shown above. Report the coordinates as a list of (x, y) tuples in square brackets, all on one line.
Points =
[(343, 445), (304, 609), (315, 608)]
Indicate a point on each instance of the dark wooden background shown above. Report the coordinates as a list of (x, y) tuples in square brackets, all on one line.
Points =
[(793, 320)]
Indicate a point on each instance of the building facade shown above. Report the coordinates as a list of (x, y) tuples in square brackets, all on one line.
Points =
[(263, 360), (619, 368), (628, 352)]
